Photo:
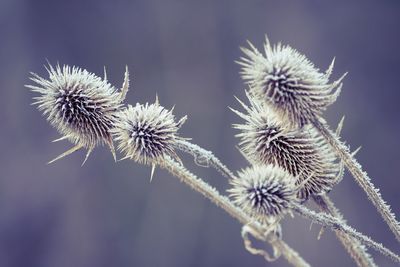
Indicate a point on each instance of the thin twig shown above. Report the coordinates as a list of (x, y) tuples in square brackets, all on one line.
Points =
[(203, 157), (246, 230), (334, 223), (356, 250), (360, 176), (223, 202)]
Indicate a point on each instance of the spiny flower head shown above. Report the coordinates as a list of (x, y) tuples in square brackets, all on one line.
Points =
[(146, 133), (289, 82), (79, 104), (301, 152), (264, 191)]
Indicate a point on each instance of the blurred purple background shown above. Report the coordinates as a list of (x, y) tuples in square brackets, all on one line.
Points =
[(107, 214)]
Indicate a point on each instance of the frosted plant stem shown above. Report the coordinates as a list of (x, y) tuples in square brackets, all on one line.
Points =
[(327, 220), (356, 250), (204, 157), (360, 176), (223, 202), (290, 255)]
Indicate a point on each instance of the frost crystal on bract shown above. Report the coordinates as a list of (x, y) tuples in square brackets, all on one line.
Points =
[(302, 153), (289, 82), (145, 133), (80, 105), (264, 191)]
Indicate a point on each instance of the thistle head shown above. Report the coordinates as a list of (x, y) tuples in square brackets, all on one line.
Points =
[(79, 104), (264, 191), (289, 82), (301, 152), (147, 133)]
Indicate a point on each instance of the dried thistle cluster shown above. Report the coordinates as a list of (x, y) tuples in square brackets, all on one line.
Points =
[(290, 160), (88, 111), (285, 93)]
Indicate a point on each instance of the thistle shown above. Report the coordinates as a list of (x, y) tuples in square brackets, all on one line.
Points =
[(290, 84), (80, 105), (296, 89), (264, 191), (147, 133), (290, 160), (302, 153)]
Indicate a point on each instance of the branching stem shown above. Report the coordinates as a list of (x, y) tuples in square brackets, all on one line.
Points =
[(223, 202), (356, 250)]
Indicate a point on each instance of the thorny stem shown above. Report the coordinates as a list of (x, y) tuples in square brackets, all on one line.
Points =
[(223, 202), (204, 157), (334, 223), (360, 176), (356, 250)]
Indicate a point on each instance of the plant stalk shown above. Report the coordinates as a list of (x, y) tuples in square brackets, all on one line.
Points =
[(360, 176), (204, 157), (334, 223)]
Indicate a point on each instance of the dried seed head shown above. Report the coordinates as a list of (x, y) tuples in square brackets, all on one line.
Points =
[(263, 191), (289, 82), (80, 105), (301, 152), (146, 133)]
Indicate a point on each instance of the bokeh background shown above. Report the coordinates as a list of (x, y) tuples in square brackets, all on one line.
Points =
[(109, 214)]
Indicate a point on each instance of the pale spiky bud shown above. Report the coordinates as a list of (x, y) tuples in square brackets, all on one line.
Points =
[(146, 133), (79, 104), (264, 191), (302, 153), (289, 82)]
